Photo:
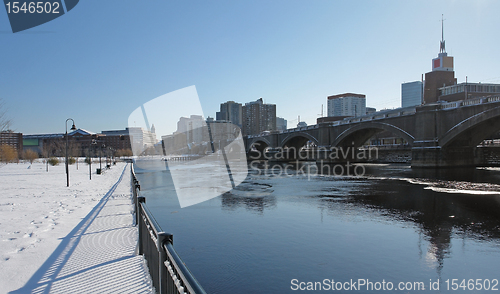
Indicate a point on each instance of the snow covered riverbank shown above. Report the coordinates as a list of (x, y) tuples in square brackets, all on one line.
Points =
[(43, 226)]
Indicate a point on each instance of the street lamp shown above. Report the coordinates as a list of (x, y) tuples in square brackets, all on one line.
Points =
[(92, 146), (100, 155), (73, 128)]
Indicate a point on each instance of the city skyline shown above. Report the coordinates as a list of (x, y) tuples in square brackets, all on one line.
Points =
[(292, 54)]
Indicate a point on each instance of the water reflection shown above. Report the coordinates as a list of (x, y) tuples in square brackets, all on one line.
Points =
[(440, 216), (392, 222), (251, 195), (466, 206)]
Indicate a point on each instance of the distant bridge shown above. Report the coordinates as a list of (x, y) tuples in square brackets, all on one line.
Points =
[(439, 135)]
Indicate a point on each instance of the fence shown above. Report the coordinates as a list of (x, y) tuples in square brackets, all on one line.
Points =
[(168, 273)]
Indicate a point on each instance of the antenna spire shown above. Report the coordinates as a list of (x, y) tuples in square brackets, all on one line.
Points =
[(442, 44)]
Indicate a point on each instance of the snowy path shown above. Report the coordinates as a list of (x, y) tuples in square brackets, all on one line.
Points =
[(97, 256)]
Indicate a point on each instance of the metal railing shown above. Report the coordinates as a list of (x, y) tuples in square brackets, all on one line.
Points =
[(168, 273), (470, 102)]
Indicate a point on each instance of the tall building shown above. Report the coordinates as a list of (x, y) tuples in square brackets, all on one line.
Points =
[(230, 111), (442, 73), (193, 127), (411, 94), (348, 104), (281, 124), (258, 117)]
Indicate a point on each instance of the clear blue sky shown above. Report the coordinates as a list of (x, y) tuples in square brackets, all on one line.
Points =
[(103, 59)]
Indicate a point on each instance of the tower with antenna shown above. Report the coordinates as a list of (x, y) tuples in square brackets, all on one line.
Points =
[(442, 48), (442, 73), (443, 62)]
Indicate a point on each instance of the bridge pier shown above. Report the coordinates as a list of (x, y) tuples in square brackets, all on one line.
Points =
[(439, 157)]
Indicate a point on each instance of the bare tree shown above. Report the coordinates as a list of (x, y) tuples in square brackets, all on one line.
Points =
[(30, 155), (4, 121), (49, 149)]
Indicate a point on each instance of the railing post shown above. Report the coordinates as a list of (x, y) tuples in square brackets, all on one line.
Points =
[(162, 238), (138, 215), (137, 186)]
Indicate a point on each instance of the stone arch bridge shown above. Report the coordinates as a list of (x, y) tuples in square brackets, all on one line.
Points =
[(439, 135)]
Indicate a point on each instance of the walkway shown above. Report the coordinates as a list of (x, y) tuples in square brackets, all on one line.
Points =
[(98, 255)]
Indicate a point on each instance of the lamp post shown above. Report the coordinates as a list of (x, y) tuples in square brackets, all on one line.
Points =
[(73, 128), (100, 155), (108, 159), (92, 146)]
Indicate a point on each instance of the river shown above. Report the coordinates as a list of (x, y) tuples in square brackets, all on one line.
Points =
[(392, 227)]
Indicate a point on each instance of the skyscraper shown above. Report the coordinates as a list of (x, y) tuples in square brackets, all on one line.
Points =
[(411, 94), (193, 127), (230, 111), (258, 117), (348, 104)]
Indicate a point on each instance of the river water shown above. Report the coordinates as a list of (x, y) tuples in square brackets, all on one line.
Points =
[(393, 227)]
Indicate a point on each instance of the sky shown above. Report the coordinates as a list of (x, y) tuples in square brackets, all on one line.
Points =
[(103, 59)]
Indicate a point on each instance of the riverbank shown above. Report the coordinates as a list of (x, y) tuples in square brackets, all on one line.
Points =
[(68, 239)]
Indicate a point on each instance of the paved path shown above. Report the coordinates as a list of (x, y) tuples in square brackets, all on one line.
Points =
[(98, 256)]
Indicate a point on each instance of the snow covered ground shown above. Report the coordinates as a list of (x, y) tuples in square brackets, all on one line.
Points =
[(55, 239)]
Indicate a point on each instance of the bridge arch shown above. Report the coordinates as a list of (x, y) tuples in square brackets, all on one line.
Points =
[(297, 140), (473, 130), (360, 133), (259, 143)]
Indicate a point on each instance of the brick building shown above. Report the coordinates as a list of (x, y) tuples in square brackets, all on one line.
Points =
[(14, 140)]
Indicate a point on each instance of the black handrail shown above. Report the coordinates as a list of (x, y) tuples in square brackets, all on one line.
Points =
[(192, 284), (168, 272)]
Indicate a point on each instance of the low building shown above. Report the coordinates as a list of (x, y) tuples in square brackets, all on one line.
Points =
[(138, 138), (370, 110), (464, 91), (80, 143), (117, 142), (14, 140)]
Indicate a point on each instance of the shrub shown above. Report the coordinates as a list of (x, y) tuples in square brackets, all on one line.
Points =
[(124, 152), (30, 155), (87, 160), (71, 160), (7, 153), (53, 161)]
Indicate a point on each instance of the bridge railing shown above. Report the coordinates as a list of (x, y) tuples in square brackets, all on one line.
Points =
[(469, 102), (168, 272), (493, 99), (394, 113), (450, 105), (472, 102)]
